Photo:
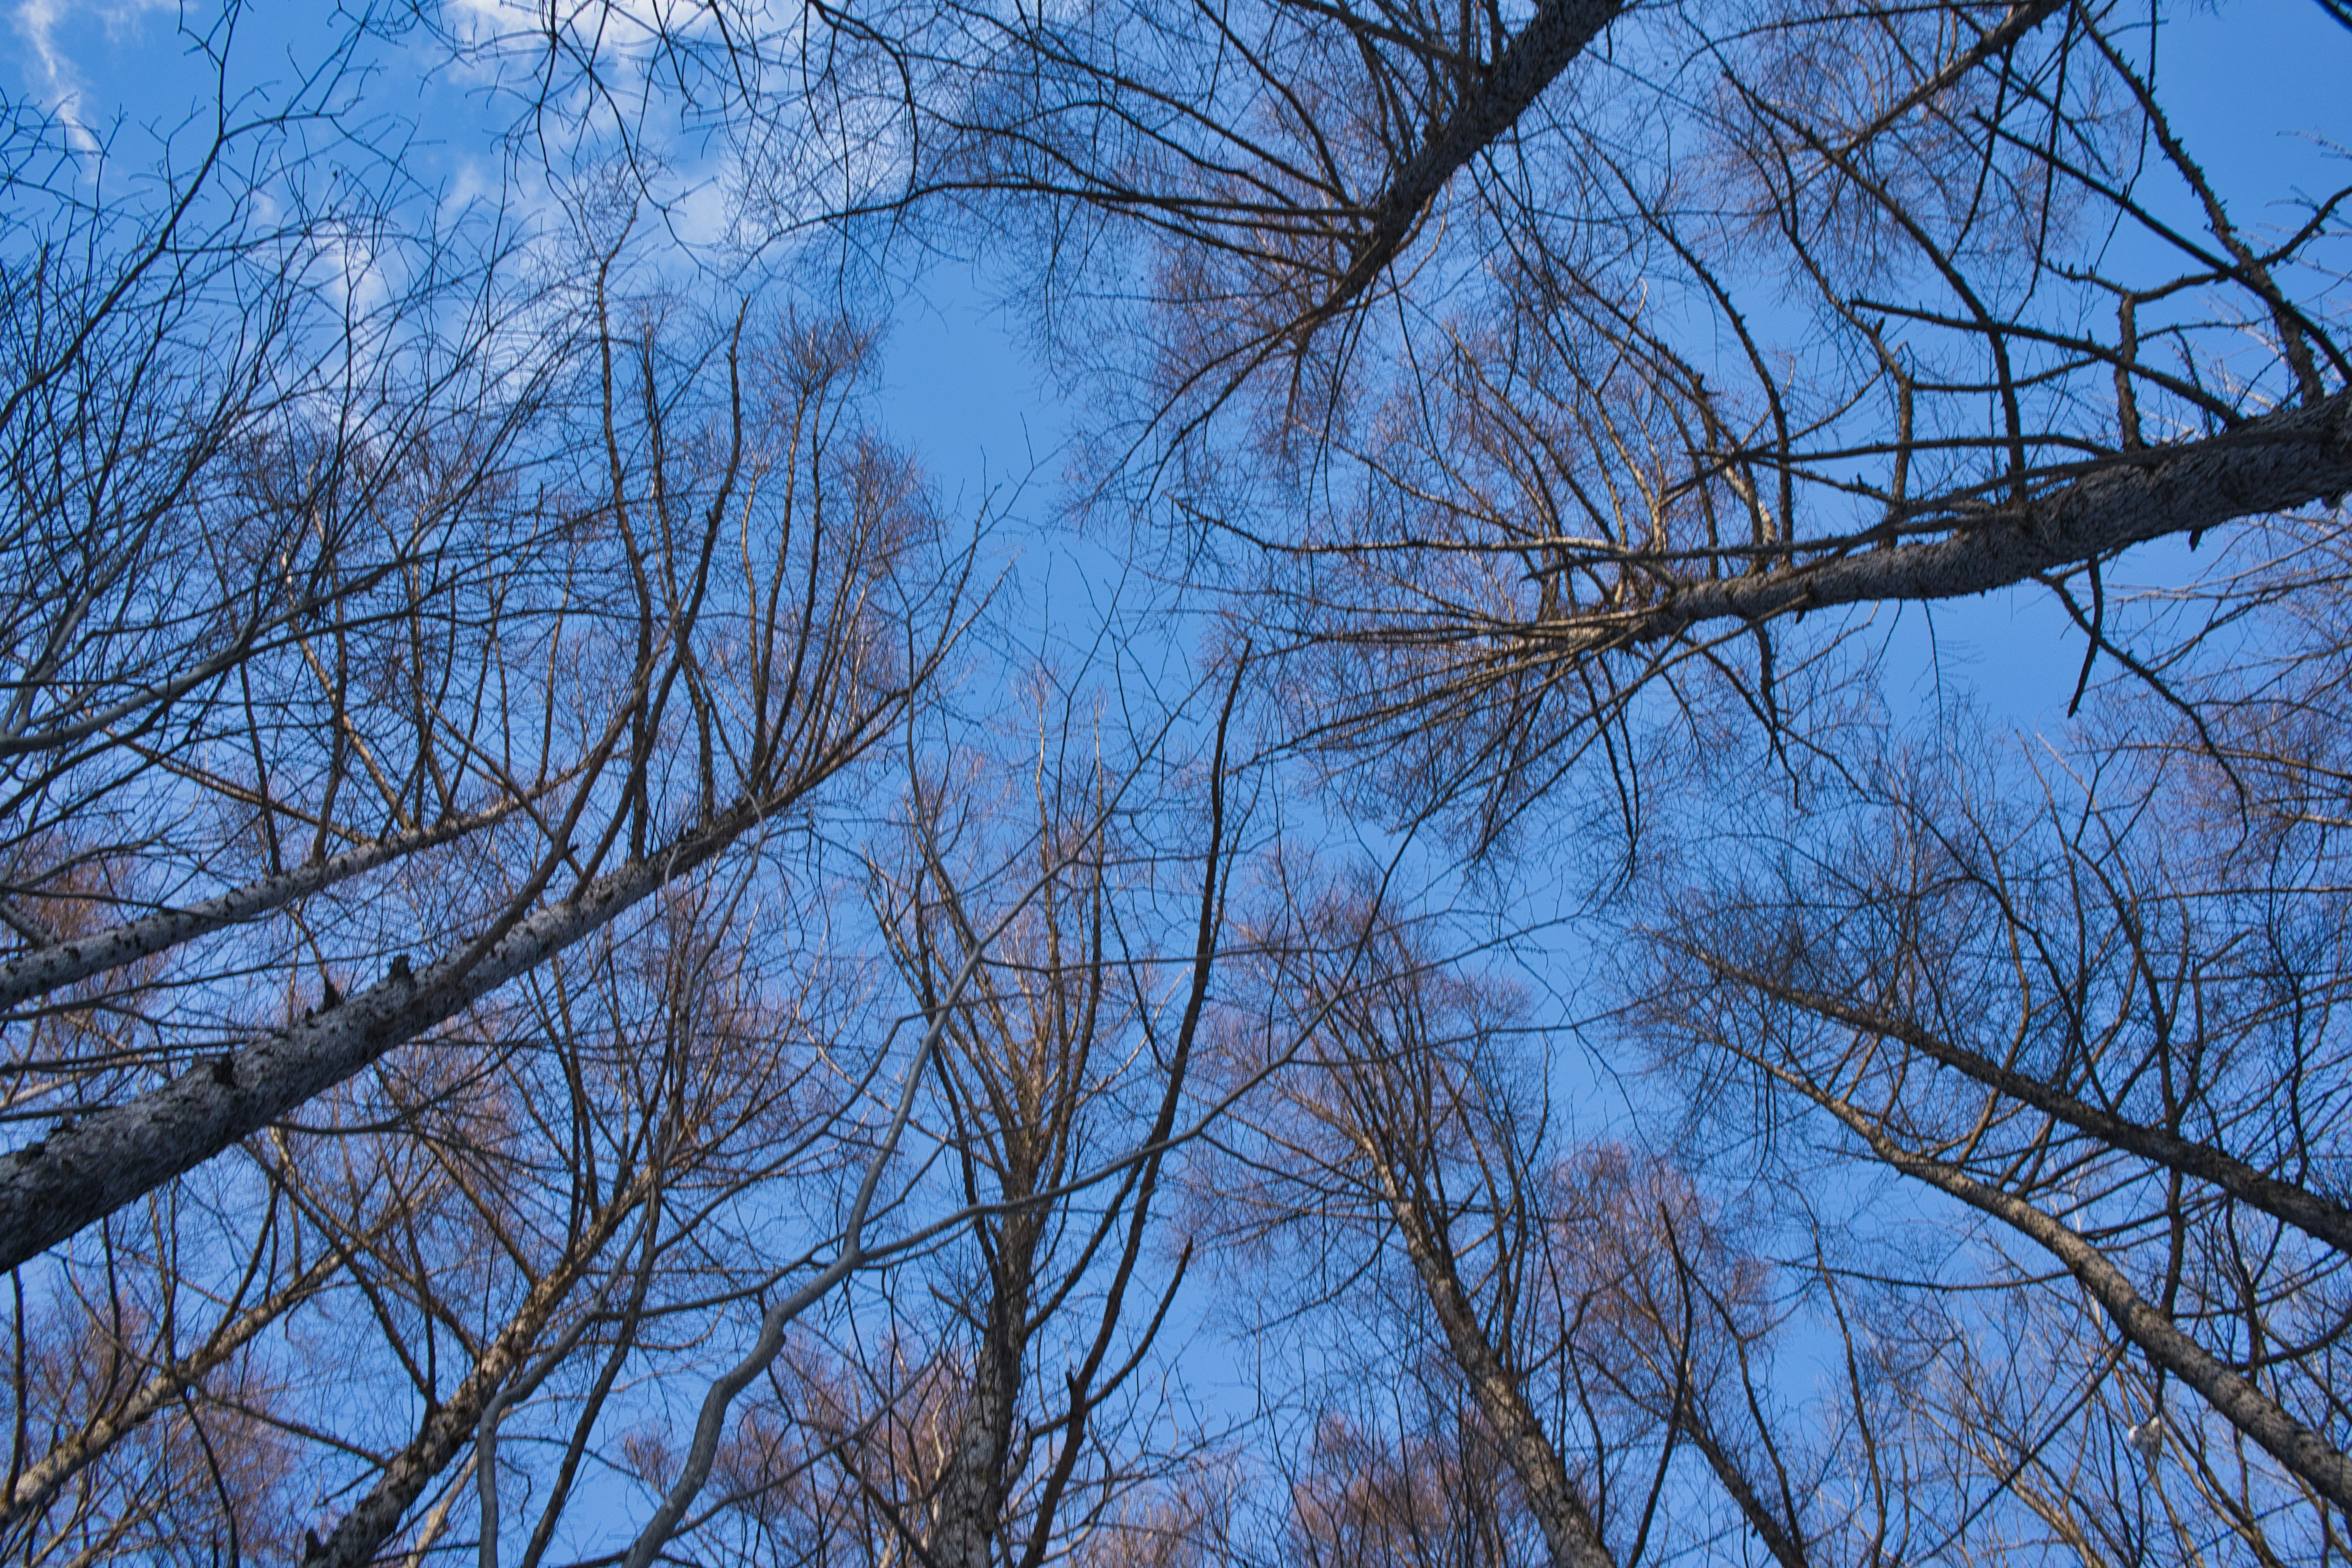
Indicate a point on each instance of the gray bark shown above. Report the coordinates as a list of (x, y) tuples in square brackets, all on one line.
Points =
[(81, 1173), (2278, 461), (971, 1497), (46, 969), (712, 1420)]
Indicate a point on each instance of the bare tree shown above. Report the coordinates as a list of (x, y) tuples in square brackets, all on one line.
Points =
[(2102, 1022), (1716, 324), (1066, 1011), (1593, 1316), (775, 669), (480, 1041)]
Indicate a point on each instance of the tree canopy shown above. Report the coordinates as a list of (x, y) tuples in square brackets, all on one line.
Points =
[(1372, 958)]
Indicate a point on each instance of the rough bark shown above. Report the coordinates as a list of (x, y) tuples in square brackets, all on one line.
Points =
[(972, 1499), (85, 1170), (46, 969), (2270, 464)]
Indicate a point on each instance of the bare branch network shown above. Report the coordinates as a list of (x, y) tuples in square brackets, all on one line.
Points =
[(600, 969)]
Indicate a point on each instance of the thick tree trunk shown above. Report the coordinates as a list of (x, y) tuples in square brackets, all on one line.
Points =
[(2289, 458), (972, 1496), (83, 1172), (46, 969)]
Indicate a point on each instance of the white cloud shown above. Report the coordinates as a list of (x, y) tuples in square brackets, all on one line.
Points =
[(57, 79)]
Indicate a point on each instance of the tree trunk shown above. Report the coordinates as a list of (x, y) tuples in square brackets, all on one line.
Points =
[(2239, 1402), (2281, 460), (972, 1496), (1555, 36), (1569, 1530), (84, 1171), (2313, 1214), (46, 969)]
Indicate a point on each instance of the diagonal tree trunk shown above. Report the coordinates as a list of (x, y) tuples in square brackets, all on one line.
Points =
[(2312, 1213), (1499, 1389), (1554, 36), (1765, 1520), (450, 1427), (45, 1476), (2273, 463), (2235, 1398), (81, 1173), (43, 970)]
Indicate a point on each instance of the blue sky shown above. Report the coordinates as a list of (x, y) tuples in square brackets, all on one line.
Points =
[(2257, 86), (2258, 83)]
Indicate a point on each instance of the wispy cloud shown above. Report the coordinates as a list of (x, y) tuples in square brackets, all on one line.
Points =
[(55, 77)]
